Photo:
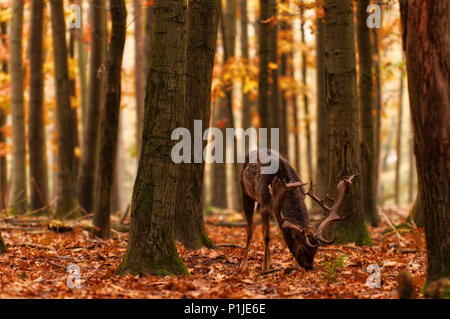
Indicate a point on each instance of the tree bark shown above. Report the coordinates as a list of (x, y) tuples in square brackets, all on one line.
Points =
[(18, 196), (3, 115), (322, 116), (151, 247), (81, 48), (399, 140), (342, 106), (246, 105), (88, 165), (66, 203), (264, 59), (426, 40), (36, 136), (378, 106), (147, 47), (368, 147), (202, 28), (285, 27), (139, 72), (109, 119)]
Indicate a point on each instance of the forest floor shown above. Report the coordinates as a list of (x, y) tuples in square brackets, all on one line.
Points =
[(35, 265)]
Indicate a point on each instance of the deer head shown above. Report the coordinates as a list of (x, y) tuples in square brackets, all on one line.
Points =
[(303, 242)]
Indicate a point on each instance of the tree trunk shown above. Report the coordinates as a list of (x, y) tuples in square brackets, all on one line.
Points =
[(65, 189), (273, 66), (151, 247), (139, 72), (264, 59), (322, 116), (246, 105), (412, 168), (88, 166), (147, 47), (416, 213), (378, 107), (305, 98), (109, 119), (368, 147), (82, 64), (73, 94), (18, 196), (3, 115), (2, 245), (342, 106), (201, 47), (426, 40), (36, 136), (285, 26), (399, 140)]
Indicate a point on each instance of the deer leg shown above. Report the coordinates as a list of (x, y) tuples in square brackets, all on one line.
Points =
[(249, 206), (265, 219)]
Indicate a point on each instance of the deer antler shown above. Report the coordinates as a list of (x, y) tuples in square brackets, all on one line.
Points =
[(311, 194), (342, 190), (278, 191)]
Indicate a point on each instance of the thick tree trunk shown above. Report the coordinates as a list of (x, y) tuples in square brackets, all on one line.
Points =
[(322, 116), (86, 176), (399, 139), (342, 106), (109, 119), (36, 136), (202, 28), (3, 159), (151, 247), (368, 147), (66, 204), (426, 39), (18, 195)]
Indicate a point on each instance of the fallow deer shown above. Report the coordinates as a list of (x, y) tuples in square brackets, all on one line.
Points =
[(282, 196)]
